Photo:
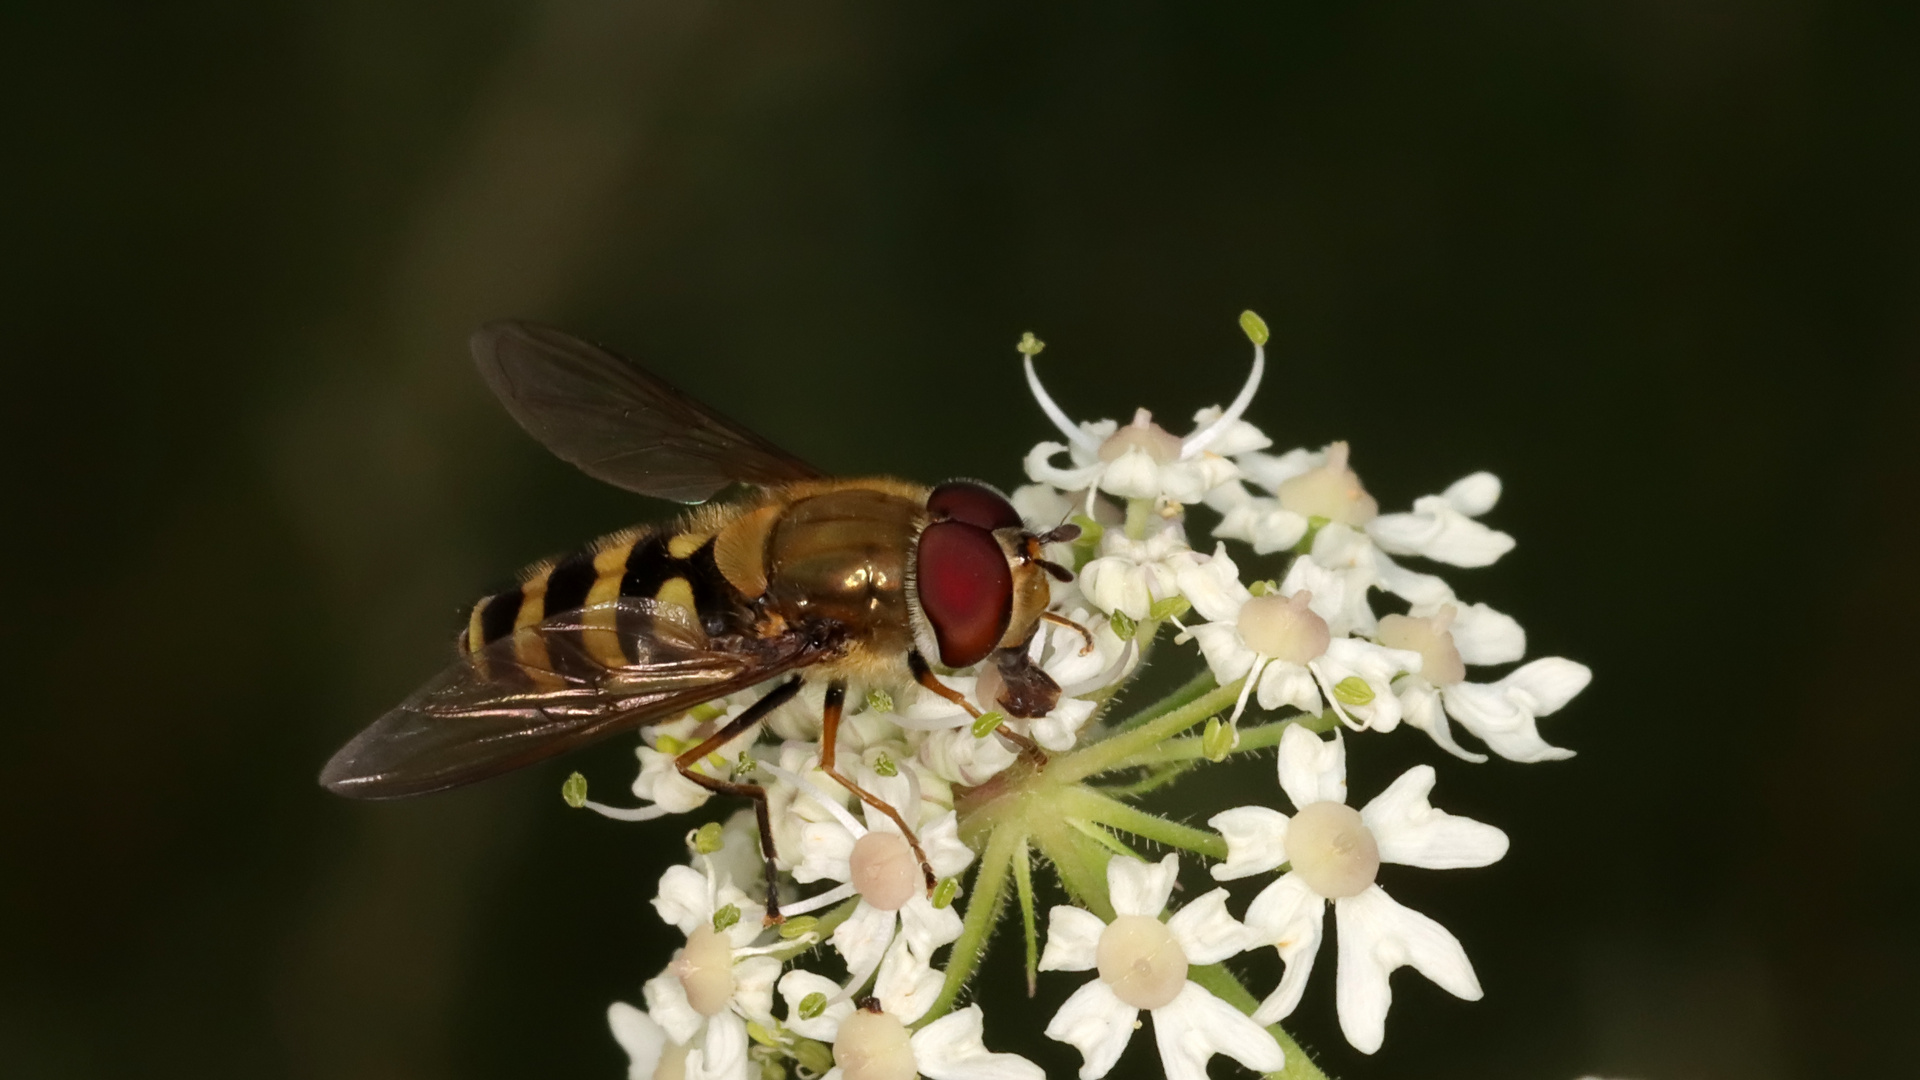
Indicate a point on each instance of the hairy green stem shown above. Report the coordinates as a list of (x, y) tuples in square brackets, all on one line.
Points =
[(1251, 739), (1115, 752), (1185, 693), (1023, 886), (983, 911), (1081, 802)]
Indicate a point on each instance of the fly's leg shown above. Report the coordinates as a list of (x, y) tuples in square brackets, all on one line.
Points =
[(1062, 620), (829, 737), (924, 675), (754, 713)]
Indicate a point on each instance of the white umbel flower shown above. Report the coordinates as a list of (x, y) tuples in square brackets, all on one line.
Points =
[(870, 1039), (1334, 854), (1501, 714), (717, 981), (1441, 527), (1284, 646), (650, 1053), (1129, 575), (1142, 964)]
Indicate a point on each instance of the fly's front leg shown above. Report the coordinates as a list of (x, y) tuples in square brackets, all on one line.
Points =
[(829, 738), (924, 675), (754, 713)]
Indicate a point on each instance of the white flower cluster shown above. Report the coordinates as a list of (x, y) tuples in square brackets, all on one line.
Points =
[(1309, 642)]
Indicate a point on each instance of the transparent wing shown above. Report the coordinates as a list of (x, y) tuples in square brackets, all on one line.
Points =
[(549, 688), (617, 422)]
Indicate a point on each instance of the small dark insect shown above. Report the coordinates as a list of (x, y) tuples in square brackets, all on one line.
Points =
[(843, 581)]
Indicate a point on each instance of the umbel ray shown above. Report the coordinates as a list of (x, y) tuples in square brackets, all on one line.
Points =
[(814, 578)]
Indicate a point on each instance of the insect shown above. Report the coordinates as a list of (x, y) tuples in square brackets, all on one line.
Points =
[(849, 582)]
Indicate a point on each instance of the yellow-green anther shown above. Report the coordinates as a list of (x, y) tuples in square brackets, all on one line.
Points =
[(1353, 690), (575, 791), (702, 713), (1123, 625), (671, 746), (726, 917), (1255, 327), (884, 765), (879, 700), (1030, 345), (798, 927), (813, 1057), (1218, 740), (709, 838), (944, 893), (762, 1035), (1263, 588), (984, 726), (1171, 608), (813, 1005), (745, 765)]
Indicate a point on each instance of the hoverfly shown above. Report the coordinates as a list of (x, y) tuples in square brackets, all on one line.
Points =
[(841, 581)]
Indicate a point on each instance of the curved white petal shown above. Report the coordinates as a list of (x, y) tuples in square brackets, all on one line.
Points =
[(1419, 589), (906, 984), (1377, 935), (1549, 683), (1256, 839), (1041, 469), (1073, 938), (1271, 470), (825, 847), (1204, 930), (1042, 505), (1474, 494), (753, 979), (1485, 636), (795, 985), (1421, 707), (941, 841), (1195, 1025), (1339, 596), (1213, 586), (1502, 714), (1284, 684), (1115, 583), (960, 758), (925, 927), (660, 783), (723, 1053), (1288, 916), (639, 1036), (683, 900), (951, 1048), (1262, 522), (1411, 832), (1132, 475), (1059, 730), (1438, 531), (1235, 437), (1227, 656), (1096, 1023), (1312, 769), (1141, 888), (667, 1004), (864, 937)]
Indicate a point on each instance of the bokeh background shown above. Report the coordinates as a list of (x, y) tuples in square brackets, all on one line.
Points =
[(1654, 262)]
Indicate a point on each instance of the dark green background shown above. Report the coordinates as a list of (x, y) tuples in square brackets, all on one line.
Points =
[(1655, 263)]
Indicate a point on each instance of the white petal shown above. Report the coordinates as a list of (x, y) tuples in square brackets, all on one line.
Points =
[(1502, 714), (1473, 495), (825, 847), (753, 980), (1284, 684), (1256, 839), (795, 985), (958, 757), (1410, 831), (1288, 916), (1485, 636), (1206, 933), (1132, 475), (906, 984), (1213, 585), (1378, 935), (925, 927), (1040, 469), (1227, 656), (683, 900), (941, 842), (1237, 437), (1262, 522), (639, 1036), (1312, 769), (1270, 471), (1549, 683), (1042, 506), (1141, 888), (1073, 937), (667, 1004), (660, 783), (1113, 583), (950, 1048), (1439, 532), (723, 1053), (864, 937), (1419, 589), (1096, 1023), (1421, 707), (1195, 1025), (1059, 730), (1339, 596)]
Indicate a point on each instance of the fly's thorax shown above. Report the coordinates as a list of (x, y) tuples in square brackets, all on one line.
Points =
[(842, 555)]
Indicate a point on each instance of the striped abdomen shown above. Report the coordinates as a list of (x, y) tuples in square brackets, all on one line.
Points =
[(664, 564)]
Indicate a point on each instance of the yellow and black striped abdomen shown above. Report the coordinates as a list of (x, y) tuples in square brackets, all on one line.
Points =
[(668, 565)]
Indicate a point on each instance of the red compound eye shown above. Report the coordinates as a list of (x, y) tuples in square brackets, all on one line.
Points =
[(965, 588), (974, 503)]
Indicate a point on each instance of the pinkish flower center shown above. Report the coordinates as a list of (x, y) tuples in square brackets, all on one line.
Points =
[(873, 1046), (1284, 628), (1432, 638), (885, 873), (1332, 850), (705, 970), (1331, 491), (1141, 962), (1144, 435)]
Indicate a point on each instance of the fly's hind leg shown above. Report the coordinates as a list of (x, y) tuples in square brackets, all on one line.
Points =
[(754, 713), (924, 675), (829, 736)]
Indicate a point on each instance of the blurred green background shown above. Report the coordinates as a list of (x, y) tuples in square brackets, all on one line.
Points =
[(1655, 263)]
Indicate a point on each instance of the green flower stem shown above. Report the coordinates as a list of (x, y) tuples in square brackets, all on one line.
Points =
[(1139, 512), (1189, 690), (1023, 886), (1080, 802), (1251, 739), (1118, 751), (1217, 980), (983, 912), (1153, 781)]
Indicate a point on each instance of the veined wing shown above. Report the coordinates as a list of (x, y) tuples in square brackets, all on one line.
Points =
[(619, 423), (545, 689)]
